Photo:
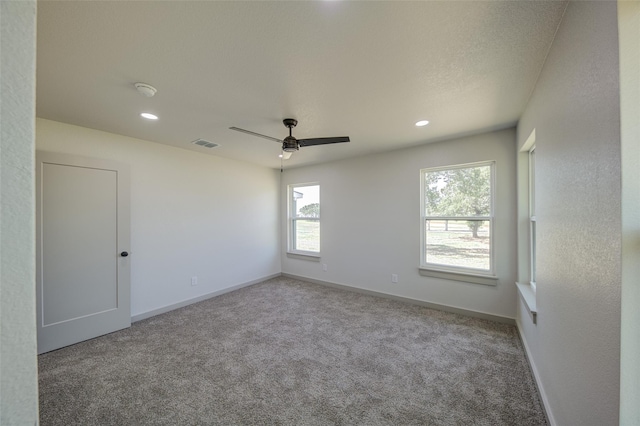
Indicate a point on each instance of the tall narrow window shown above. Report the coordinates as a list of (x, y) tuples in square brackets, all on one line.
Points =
[(457, 218), (304, 218), (532, 216)]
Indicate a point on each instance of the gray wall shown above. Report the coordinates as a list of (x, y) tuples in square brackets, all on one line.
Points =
[(18, 365), (575, 347), (370, 213)]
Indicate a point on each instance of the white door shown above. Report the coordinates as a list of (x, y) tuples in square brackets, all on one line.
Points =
[(82, 260)]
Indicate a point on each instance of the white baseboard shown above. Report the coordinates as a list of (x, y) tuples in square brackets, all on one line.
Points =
[(439, 307), (187, 302), (543, 396)]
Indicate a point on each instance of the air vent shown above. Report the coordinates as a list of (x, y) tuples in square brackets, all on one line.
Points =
[(206, 144)]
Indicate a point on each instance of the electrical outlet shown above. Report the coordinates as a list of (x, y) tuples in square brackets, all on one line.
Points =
[(194, 280), (324, 267), (394, 278)]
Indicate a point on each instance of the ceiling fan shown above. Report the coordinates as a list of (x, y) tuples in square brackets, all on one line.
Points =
[(291, 144)]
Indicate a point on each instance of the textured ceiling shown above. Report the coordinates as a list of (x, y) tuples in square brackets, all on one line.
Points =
[(368, 70)]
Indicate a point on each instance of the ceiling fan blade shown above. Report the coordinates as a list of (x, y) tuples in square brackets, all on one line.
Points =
[(322, 141), (286, 155), (237, 129)]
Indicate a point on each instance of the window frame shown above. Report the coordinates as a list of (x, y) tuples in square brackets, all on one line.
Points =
[(458, 273), (292, 218), (527, 224), (531, 155)]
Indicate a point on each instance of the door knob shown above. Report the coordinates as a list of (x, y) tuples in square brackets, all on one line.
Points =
[(124, 254)]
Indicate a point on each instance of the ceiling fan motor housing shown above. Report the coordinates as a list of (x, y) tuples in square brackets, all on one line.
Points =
[(290, 144)]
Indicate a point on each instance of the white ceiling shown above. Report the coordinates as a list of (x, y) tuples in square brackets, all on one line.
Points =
[(368, 70)]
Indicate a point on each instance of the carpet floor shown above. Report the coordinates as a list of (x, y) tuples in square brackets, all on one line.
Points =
[(287, 352)]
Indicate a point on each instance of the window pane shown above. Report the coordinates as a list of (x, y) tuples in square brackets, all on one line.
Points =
[(533, 251), (458, 192), (532, 182), (306, 235), (306, 201), (459, 243)]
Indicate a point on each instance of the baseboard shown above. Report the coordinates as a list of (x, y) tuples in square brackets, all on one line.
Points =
[(187, 302), (437, 306), (534, 371)]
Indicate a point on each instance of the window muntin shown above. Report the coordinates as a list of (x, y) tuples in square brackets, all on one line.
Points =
[(457, 218), (304, 218)]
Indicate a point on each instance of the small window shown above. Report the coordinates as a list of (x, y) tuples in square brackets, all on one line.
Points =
[(304, 219), (457, 219)]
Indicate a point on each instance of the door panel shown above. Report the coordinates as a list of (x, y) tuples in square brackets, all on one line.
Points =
[(82, 226)]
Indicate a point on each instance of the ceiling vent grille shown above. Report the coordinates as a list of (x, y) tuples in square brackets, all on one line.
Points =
[(204, 143)]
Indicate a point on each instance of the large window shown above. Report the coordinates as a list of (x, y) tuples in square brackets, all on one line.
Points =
[(304, 218), (457, 218)]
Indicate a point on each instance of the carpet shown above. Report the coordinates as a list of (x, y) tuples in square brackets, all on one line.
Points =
[(287, 352)]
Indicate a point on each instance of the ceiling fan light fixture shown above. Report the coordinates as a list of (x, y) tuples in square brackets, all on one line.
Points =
[(290, 144)]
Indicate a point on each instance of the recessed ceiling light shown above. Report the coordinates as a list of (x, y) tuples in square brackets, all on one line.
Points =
[(422, 123), (149, 116), (280, 156)]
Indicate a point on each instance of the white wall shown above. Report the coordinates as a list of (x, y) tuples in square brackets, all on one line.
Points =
[(629, 35), (18, 363), (370, 223), (575, 347), (191, 215)]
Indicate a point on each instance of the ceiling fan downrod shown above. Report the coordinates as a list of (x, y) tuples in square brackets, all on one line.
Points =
[(290, 144)]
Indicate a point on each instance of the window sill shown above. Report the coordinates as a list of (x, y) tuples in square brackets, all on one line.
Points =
[(529, 298), (467, 277), (304, 256)]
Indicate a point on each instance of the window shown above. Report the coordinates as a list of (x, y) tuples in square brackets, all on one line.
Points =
[(532, 216), (457, 219), (527, 224), (304, 219)]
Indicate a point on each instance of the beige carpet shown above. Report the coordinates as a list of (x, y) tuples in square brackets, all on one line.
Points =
[(286, 352)]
